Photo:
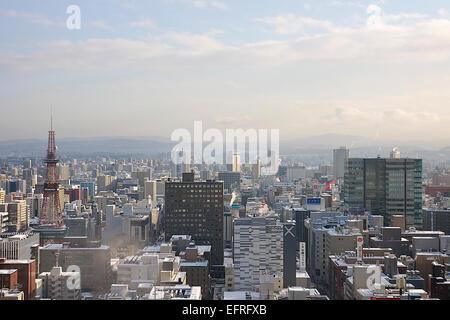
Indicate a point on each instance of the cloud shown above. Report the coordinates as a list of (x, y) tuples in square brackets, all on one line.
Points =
[(32, 18), (443, 12), (337, 3), (291, 24), (204, 3), (399, 38), (38, 19), (147, 23), (378, 19), (99, 24)]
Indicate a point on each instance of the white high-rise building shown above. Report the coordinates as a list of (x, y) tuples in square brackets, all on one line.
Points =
[(340, 159), (258, 250)]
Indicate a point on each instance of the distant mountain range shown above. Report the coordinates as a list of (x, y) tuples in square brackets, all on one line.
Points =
[(320, 146), (87, 146)]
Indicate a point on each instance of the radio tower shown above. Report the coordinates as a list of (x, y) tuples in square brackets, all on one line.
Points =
[(51, 224), (51, 216)]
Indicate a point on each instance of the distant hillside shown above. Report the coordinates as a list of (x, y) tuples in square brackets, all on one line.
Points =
[(317, 147)]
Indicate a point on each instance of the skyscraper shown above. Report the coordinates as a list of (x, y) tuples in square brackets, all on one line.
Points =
[(385, 187), (196, 208), (235, 165), (340, 158), (18, 216), (257, 249)]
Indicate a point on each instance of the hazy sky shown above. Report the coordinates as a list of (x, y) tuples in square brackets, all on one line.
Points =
[(377, 69)]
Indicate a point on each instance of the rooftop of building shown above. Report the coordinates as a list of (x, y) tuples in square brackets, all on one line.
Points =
[(180, 237), (199, 264), (23, 261), (10, 293), (419, 232), (177, 292), (437, 210), (7, 271), (241, 295), (301, 274), (55, 246)]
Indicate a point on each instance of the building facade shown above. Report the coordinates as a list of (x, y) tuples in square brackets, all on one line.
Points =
[(196, 208), (385, 187), (257, 249)]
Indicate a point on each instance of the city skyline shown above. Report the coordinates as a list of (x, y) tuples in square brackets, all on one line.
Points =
[(375, 69)]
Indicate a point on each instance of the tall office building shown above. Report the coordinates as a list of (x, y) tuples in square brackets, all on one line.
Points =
[(17, 215), (150, 189), (105, 183), (257, 250), (235, 165), (340, 158), (289, 254), (230, 179), (142, 175), (196, 208), (436, 220), (385, 187), (256, 170), (300, 215)]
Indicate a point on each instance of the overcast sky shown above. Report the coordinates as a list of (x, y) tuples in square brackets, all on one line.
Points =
[(377, 69)]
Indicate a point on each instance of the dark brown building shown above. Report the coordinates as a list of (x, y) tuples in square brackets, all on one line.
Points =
[(195, 262), (8, 278), (436, 220), (26, 275), (196, 208), (438, 285), (197, 274), (434, 190)]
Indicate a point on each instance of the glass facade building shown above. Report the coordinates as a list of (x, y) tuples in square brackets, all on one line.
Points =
[(385, 187)]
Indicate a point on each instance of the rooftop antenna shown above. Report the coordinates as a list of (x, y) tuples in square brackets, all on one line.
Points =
[(51, 117)]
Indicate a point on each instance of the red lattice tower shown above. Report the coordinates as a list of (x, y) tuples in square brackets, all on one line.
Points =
[(51, 215)]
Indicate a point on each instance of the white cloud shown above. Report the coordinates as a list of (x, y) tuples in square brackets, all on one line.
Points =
[(424, 41), (443, 12), (397, 38), (38, 19), (147, 23), (291, 24), (337, 3), (33, 18), (204, 3), (99, 24)]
